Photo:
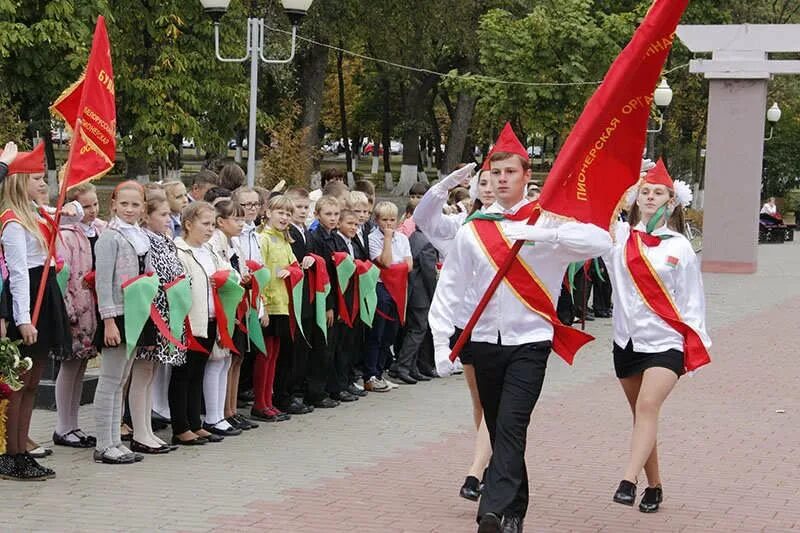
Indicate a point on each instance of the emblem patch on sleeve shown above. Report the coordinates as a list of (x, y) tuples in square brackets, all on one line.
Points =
[(672, 261)]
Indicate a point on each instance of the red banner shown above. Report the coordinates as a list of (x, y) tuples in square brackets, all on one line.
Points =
[(602, 156), (89, 110)]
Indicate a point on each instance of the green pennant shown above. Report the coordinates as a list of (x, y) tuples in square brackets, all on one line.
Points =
[(480, 215), (319, 309), (344, 272), (367, 284), (62, 278), (262, 277), (137, 296), (230, 294), (297, 303), (656, 219), (597, 270), (254, 331), (179, 301)]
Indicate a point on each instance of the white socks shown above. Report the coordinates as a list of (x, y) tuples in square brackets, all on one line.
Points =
[(215, 385)]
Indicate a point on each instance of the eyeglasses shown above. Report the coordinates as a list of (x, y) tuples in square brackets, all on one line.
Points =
[(251, 205)]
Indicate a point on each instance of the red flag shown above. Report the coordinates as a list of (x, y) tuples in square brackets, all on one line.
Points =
[(602, 156), (89, 110), (28, 162), (94, 127)]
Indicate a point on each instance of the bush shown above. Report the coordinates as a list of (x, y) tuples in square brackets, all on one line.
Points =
[(286, 157)]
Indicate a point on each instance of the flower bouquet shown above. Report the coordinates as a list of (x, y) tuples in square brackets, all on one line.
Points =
[(12, 366)]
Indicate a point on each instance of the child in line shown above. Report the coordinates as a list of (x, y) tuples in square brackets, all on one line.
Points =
[(217, 389), (277, 256), (163, 261), (23, 235), (291, 372), (186, 384), (324, 242), (178, 199), (121, 256), (386, 248), (76, 248)]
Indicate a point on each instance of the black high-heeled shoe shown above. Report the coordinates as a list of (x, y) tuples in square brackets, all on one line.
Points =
[(626, 493), (651, 499)]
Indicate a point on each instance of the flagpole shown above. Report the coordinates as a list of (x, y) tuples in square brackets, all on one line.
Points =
[(51, 247)]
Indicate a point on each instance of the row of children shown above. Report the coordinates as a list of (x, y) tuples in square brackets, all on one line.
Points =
[(220, 296)]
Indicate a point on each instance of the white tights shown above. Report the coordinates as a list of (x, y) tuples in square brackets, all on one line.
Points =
[(215, 385), (140, 399), (69, 387)]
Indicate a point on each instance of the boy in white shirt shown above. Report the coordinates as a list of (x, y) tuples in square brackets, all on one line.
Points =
[(386, 248)]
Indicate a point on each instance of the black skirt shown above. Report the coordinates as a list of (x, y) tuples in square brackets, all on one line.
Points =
[(628, 362), (54, 337), (466, 356)]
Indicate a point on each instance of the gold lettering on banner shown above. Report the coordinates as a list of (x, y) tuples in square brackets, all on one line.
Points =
[(106, 80), (660, 45), (581, 193)]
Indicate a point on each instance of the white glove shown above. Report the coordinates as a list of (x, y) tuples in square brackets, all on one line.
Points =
[(455, 178), (9, 153), (441, 355), (647, 164), (521, 231)]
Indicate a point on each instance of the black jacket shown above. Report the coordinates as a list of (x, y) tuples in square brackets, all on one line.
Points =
[(422, 279), (300, 247), (324, 243)]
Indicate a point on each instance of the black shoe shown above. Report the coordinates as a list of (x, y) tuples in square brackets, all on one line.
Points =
[(297, 407), (197, 441), (403, 376), (232, 431), (62, 440), (269, 416), (144, 448), (626, 493), (213, 437), (22, 467), (245, 423), (124, 459), (155, 417), (651, 499), (470, 490), (48, 473), (427, 371), (490, 523), (89, 439), (247, 396), (355, 391), (326, 403), (512, 524), (345, 396), (418, 376)]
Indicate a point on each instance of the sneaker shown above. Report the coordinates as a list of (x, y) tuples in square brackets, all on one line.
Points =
[(390, 384), (358, 385), (458, 368), (374, 384)]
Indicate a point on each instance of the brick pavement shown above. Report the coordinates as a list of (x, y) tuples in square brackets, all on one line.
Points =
[(394, 462)]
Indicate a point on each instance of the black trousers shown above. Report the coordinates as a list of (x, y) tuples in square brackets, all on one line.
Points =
[(286, 368), (347, 349), (601, 295), (186, 386), (320, 360), (413, 340), (509, 383)]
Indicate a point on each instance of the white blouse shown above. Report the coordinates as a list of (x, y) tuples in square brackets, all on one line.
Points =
[(22, 251), (467, 273), (440, 229), (632, 319)]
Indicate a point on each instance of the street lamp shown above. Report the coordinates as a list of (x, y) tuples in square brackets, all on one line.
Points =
[(773, 116), (295, 10), (662, 97)]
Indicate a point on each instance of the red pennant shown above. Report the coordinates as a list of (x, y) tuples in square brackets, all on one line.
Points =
[(395, 280)]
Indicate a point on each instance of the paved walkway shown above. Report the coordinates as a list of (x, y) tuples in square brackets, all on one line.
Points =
[(394, 462)]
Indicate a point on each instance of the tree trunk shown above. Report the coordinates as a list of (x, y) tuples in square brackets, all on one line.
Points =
[(386, 134), (459, 129), (137, 169), (174, 160), (343, 118), (414, 112), (314, 67)]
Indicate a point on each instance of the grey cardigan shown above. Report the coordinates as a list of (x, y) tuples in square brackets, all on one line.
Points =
[(116, 263)]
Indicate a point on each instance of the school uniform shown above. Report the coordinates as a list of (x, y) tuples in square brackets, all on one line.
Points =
[(324, 243), (511, 342), (422, 284)]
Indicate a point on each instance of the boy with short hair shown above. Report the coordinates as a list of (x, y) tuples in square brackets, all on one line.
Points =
[(201, 183), (386, 248), (359, 204), (324, 242)]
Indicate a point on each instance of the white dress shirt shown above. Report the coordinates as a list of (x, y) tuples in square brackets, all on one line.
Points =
[(632, 319), (205, 257), (400, 246), (22, 252), (467, 273), (440, 229), (249, 245)]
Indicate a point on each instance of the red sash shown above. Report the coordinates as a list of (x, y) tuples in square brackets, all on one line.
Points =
[(395, 280), (658, 299), (348, 317), (45, 225), (524, 283)]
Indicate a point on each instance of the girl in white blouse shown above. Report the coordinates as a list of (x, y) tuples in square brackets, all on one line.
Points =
[(648, 351), (25, 238)]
